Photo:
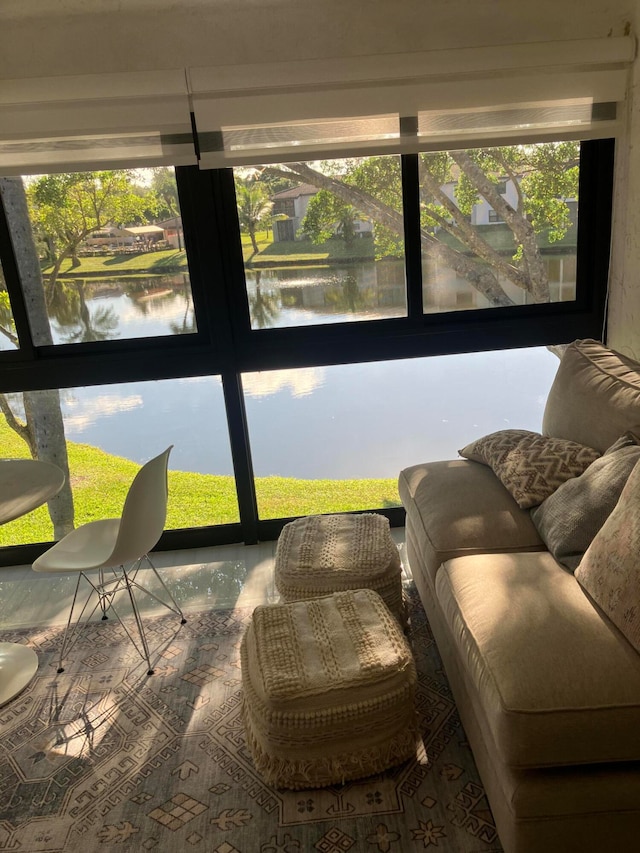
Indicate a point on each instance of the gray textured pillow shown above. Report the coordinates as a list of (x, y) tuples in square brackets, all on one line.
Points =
[(529, 465), (569, 519)]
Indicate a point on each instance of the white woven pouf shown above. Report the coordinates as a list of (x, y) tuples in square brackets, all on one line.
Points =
[(328, 690), (321, 554)]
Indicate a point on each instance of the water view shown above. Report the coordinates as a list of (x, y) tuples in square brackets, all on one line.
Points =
[(340, 422), (128, 307), (321, 243), (124, 307)]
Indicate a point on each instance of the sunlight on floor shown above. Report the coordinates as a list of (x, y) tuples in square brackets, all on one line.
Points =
[(222, 577)]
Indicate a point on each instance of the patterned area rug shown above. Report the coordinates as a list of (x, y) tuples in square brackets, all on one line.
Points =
[(104, 757)]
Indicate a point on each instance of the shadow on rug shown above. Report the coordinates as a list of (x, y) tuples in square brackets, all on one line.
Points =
[(105, 757)]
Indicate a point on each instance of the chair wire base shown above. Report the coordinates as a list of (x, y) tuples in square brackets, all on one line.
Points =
[(106, 589)]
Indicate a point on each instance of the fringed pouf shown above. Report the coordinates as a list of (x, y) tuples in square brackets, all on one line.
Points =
[(328, 690), (321, 554)]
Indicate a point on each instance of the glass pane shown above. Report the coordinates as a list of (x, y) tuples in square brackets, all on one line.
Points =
[(8, 336), (111, 254), (322, 242), (334, 439), (107, 432), (499, 226)]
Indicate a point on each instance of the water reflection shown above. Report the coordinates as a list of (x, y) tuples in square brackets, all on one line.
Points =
[(302, 296), (127, 307), (148, 306), (76, 321)]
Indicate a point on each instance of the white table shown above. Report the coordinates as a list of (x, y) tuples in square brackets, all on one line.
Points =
[(24, 485)]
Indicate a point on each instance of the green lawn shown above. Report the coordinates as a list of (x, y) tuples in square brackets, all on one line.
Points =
[(155, 263), (304, 251), (172, 260), (100, 482)]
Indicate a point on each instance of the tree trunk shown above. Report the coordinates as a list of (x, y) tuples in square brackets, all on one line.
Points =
[(42, 408)]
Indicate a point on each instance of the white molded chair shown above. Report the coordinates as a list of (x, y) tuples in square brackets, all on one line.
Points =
[(109, 546)]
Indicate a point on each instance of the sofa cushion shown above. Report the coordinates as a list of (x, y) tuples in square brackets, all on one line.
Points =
[(529, 465), (570, 518), (595, 396), (609, 569), (459, 507), (557, 683)]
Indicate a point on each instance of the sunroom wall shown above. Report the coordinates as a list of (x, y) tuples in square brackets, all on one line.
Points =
[(623, 326)]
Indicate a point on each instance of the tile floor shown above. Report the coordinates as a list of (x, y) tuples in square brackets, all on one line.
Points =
[(226, 576)]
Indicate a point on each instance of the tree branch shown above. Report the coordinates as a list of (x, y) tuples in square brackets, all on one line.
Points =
[(17, 426), (476, 273), (466, 233), (520, 227)]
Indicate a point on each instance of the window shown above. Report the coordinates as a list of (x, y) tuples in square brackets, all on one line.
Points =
[(298, 374), (302, 227), (106, 431), (113, 263), (331, 439), (533, 220)]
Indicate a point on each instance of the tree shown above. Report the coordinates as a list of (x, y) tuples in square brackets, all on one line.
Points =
[(66, 208), (327, 215), (545, 177), (43, 427), (165, 190), (254, 207)]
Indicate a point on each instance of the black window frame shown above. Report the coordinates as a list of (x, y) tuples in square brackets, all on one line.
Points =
[(226, 346)]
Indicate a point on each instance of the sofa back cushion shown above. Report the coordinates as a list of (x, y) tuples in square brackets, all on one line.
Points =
[(595, 396)]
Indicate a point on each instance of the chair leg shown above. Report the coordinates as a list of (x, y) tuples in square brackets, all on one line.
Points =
[(174, 607), (71, 634), (102, 597), (136, 613), (67, 626), (106, 591)]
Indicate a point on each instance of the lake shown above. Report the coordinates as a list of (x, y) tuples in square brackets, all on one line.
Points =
[(346, 421)]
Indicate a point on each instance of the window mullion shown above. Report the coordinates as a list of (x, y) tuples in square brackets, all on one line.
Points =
[(241, 454), (412, 240)]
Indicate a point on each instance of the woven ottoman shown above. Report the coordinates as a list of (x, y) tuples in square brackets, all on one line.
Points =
[(321, 554), (328, 690)]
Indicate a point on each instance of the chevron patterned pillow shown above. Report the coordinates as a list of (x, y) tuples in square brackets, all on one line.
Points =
[(529, 465)]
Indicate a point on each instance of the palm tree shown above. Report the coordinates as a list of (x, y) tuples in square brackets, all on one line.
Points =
[(254, 206)]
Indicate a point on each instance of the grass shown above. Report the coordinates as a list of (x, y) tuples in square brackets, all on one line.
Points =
[(304, 251), (173, 261), (100, 482), (154, 263)]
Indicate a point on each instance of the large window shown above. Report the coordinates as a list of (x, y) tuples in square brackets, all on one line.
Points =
[(299, 332)]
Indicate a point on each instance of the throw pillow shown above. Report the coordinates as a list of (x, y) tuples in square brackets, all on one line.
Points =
[(609, 569), (568, 520), (529, 465)]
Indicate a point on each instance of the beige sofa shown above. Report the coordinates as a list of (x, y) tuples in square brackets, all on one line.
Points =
[(547, 688)]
